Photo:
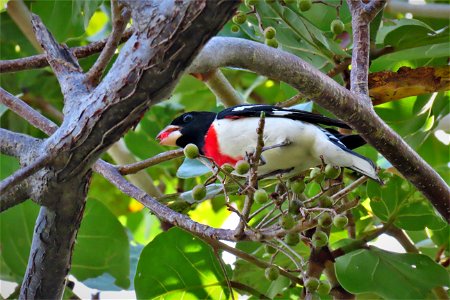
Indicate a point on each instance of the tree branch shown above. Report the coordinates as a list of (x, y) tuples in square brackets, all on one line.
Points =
[(14, 196), (15, 144), (27, 112), (280, 65), (362, 15), (221, 87), (25, 172), (65, 66), (40, 61), (157, 159), (121, 155), (120, 17)]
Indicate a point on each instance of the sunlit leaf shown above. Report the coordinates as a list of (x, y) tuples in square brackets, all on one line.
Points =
[(100, 230), (196, 273), (390, 275)]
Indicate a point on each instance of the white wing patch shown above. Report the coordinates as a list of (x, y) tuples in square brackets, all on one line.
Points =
[(245, 107)]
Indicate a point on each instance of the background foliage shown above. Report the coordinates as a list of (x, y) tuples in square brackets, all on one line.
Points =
[(116, 230)]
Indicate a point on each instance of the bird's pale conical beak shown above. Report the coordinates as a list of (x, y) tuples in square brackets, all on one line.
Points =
[(169, 135)]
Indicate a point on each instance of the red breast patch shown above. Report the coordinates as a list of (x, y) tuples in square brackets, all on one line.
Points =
[(212, 149)]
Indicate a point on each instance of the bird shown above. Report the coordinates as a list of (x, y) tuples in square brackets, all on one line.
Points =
[(294, 140)]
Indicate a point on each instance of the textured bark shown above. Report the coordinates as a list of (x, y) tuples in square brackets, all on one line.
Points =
[(167, 37), (387, 86)]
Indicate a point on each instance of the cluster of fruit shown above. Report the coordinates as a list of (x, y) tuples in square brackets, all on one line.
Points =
[(320, 210), (336, 26)]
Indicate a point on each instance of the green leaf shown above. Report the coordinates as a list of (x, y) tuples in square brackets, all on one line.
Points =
[(430, 51), (192, 168), (16, 233), (176, 264), (57, 14), (100, 230), (387, 199), (411, 33), (389, 275)]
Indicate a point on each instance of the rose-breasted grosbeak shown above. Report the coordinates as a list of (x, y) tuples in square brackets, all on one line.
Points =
[(293, 141)]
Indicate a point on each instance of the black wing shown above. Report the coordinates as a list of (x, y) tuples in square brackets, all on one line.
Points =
[(350, 141), (254, 110)]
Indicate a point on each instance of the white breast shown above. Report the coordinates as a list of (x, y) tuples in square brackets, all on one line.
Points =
[(238, 136)]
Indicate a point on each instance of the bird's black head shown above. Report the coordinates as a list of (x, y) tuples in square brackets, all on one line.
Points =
[(188, 128)]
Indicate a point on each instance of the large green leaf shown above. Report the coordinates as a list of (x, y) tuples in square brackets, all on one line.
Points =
[(177, 265), (429, 51), (397, 201), (100, 230), (411, 33), (57, 14), (390, 275), (16, 233)]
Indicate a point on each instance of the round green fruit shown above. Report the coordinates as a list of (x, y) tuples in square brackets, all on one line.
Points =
[(269, 32), (287, 221), (240, 18), (317, 175), (261, 196), (234, 28), (180, 206), (319, 239), (311, 284), (199, 192), (191, 151), (294, 206), (340, 221), (272, 273), (325, 220), (269, 249), (292, 238), (297, 186), (332, 172), (337, 26), (324, 287), (304, 5), (325, 201), (242, 167), (271, 43)]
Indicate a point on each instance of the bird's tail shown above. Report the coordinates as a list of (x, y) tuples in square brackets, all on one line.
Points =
[(364, 166)]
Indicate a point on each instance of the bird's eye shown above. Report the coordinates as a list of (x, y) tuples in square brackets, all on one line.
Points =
[(187, 118)]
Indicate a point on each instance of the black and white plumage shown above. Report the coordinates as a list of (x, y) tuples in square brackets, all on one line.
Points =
[(294, 139)]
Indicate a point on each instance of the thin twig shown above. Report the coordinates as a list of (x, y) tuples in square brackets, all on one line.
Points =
[(253, 177), (25, 172), (256, 212), (348, 189), (27, 112), (157, 159), (120, 17), (268, 222), (293, 252), (252, 259)]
